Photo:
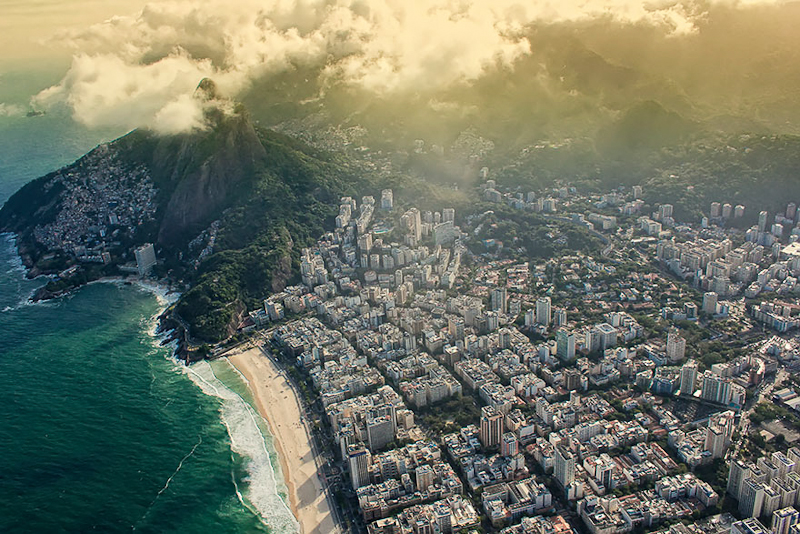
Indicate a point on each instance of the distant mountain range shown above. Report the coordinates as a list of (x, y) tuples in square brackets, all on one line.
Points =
[(737, 73)]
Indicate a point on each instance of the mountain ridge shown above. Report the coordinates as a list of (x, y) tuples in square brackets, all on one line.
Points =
[(227, 209)]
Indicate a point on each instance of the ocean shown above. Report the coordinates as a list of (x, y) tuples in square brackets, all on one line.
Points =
[(101, 429)]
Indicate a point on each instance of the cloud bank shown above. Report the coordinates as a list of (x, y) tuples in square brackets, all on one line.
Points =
[(143, 70)]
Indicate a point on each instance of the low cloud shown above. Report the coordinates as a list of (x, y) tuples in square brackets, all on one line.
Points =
[(142, 70), (10, 110), (180, 115), (107, 91)]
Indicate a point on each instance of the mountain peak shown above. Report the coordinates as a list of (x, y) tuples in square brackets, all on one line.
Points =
[(207, 90)]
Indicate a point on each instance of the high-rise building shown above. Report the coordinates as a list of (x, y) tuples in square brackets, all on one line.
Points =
[(572, 379), (455, 327), (499, 298), (425, 477), (710, 303), (715, 388), (365, 242), (793, 454), (592, 340), (720, 285), (716, 442), (543, 310), (274, 310), (387, 199), (787, 489), (772, 501), (783, 519), (530, 318), (604, 472), (715, 210), (664, 211), (748, 526), (769, 469), (752, 498), (492, 321), (145, 258), (491, 426), (380, 430), (637, 192), (448, 215), (688, 377), (676, 346), (560, 317), (564, 466), (607, 335), (762, 221), (738, 473), (727, 211), (504, 338), (719, 433), (412, 219), (785, 465), (509, 446), (565, 345), (738, 211), (359, 459)]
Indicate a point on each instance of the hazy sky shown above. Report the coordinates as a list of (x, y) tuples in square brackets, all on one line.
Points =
[(137, 63), (26, 24)]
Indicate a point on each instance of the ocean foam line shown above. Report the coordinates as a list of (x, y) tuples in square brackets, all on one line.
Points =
[(265, 500), (163, 295), (252, 413), (15, 260), (238, 372), (247, 439), (10, 257), (27, 302), (172, 476), (180, 465), (241, 498)]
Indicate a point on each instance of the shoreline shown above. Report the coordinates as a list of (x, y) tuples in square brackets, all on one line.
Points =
[(269, 387), (157, 287), (308, 501)]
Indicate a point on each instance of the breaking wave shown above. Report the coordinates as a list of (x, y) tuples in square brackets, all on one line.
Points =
[(247, 439)]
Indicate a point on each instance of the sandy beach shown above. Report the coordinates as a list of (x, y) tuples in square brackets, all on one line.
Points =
[(278, 404)]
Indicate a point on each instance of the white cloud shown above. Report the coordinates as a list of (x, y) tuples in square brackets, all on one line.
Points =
[(10, 110), (135, 71), (184, 114), (105, 90)]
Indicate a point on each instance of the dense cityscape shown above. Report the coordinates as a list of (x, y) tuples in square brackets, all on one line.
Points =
[(637, 378), (646, 387), (391, 267)]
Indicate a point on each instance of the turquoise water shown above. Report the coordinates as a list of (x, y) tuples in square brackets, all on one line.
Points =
[(101, 430)]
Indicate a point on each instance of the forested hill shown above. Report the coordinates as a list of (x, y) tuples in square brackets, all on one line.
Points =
[(228, 209), (290, 201)]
